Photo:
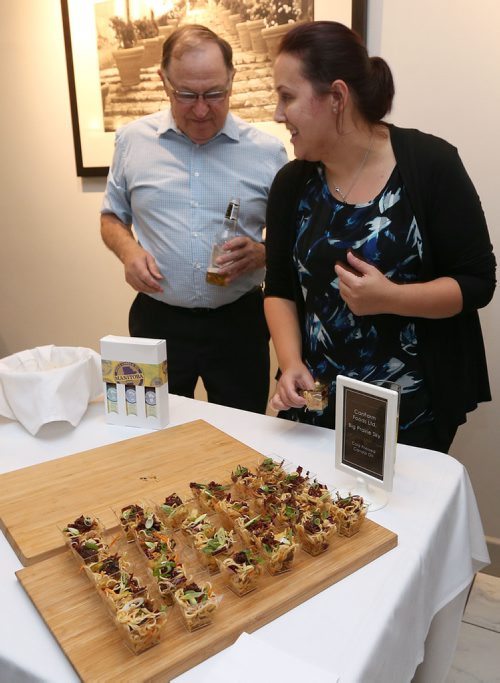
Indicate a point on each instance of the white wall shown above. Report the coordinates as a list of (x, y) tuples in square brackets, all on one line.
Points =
[(58, 284), (445, 58)]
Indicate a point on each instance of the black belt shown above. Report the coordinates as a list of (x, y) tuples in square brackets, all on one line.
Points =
[(197, 310)]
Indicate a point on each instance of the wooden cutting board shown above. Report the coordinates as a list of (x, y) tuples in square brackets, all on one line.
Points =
[(35, 502), (77, 618)]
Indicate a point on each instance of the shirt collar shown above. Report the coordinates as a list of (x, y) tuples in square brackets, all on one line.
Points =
[(230, 128), (167, 122)]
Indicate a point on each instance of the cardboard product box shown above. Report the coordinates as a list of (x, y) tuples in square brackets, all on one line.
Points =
[(135, 381)]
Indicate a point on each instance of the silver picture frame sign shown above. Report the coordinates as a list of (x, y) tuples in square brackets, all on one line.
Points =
[(366, 431)]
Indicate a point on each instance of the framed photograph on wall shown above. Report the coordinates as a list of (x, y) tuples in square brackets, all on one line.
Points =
[(113, 52)]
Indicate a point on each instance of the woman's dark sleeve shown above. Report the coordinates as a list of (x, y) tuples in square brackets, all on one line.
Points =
[(457, 231), (280, 220)]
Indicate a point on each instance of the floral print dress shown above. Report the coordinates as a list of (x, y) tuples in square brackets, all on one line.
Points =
[(371, 348)]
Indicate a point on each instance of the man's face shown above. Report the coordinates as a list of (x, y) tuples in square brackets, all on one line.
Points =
[(198, 70)]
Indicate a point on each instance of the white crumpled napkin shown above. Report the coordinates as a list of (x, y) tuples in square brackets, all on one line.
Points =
[(49, 383)]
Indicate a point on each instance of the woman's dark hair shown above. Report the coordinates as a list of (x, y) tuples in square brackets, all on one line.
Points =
[(329, 51), (190, 36)]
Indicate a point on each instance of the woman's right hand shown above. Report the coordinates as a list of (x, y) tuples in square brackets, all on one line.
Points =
[(292, 381)]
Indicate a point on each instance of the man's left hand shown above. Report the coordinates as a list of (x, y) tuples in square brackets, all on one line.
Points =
[(242, 255)]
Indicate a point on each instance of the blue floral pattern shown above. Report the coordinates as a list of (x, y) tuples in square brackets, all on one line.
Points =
[(375, 349)]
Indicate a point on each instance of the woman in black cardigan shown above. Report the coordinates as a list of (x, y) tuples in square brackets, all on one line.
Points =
[(378, 253)]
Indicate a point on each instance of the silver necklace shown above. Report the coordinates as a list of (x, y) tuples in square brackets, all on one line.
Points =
[(344, 195)]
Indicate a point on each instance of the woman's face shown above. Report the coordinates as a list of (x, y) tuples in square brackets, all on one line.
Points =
[(306, 115)]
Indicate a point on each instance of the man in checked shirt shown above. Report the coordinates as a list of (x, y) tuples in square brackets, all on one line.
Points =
[(172, 176)]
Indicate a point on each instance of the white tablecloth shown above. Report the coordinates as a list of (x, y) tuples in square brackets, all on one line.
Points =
[(369, 627)]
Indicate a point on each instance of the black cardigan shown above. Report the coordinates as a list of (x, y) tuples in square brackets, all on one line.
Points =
[(455, 243)]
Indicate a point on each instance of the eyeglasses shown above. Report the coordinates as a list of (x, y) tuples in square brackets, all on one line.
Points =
[(190, 97)]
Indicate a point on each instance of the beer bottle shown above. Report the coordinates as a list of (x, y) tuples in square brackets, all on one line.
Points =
[(226, 233)]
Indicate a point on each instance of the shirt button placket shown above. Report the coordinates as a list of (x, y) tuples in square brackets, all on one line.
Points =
[(196, 217)]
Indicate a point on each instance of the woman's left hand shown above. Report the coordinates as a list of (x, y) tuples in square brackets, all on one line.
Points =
[(363, 287)]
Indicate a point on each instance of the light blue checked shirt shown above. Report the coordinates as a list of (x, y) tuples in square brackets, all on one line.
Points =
[(175, 194)]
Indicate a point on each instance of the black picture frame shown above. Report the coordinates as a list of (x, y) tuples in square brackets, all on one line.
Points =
[(93, 146)]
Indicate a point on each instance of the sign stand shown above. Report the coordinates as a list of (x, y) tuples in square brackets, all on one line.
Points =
[(366, 436)]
